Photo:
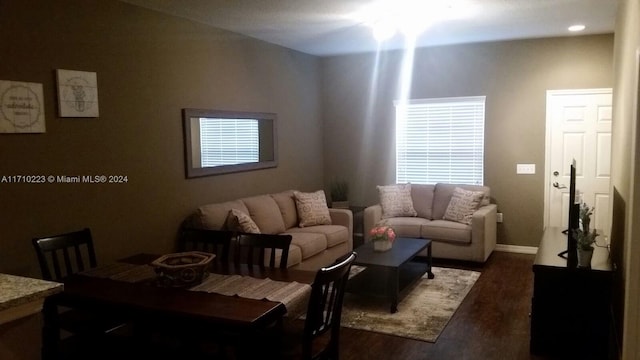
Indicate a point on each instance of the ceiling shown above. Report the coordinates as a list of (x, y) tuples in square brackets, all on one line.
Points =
[(331, 27)]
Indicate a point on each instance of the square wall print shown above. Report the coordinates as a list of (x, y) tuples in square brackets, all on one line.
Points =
[(77, 93), (21, 107)]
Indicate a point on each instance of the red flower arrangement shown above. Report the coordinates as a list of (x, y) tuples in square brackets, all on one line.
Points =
[(383, 233)]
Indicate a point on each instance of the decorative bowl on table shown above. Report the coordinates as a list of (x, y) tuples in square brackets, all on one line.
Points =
[(184, 269)]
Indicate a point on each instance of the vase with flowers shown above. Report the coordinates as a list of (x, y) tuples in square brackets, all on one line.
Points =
[(382, 237), (585, 238)]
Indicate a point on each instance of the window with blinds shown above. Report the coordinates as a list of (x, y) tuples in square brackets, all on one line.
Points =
[(229, 141), (440, 140)]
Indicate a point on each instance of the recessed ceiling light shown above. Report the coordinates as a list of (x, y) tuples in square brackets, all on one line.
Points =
[(575, 28)]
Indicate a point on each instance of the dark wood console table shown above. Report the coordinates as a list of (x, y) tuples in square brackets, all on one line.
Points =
[(571, 307)]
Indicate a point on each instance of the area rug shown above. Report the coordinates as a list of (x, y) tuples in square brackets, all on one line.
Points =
[(422, 314)]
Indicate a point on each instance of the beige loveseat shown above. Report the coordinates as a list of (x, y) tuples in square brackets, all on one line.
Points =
[(312, 247), (451, 239)]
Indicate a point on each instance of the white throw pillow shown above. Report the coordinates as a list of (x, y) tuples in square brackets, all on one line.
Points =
[(242, 222), (396, 200), (312, 208), (462, 205)]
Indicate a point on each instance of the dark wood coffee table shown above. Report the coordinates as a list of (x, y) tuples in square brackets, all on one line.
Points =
[(390, 274)]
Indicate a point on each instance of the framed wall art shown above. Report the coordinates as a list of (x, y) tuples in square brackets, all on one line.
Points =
[(21, 107), (77, 93)]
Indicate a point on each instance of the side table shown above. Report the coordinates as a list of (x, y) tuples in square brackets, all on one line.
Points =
[(358, 224)]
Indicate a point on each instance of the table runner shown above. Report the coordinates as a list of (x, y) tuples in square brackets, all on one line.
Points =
[(293, 295)]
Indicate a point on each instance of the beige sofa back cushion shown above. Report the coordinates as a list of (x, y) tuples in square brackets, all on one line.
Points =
[(265, 212), (396, 200), (422, 196), (239, 221), (442, 196), (312, 208), (214, 216), (287, 204), (462, 205)]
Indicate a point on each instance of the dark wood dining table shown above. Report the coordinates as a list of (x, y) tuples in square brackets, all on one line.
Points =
[(142, 301)]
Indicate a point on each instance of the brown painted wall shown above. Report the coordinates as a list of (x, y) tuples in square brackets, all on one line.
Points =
[(149, 67), (514, 76), (625, 180)]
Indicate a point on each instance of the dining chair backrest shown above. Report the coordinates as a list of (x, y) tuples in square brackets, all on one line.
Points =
[(325, 308), (211, 241), (62, 255), (251, 249)]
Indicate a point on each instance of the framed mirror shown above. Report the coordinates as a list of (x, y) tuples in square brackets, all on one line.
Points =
[(221, 142)]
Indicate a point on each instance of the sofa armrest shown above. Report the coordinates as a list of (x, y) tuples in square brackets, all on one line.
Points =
[(372, 215), (191, 221), (342, 217), (484, 228)]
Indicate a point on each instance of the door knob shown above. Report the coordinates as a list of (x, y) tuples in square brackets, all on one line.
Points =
[(556, 173), (558, 186)]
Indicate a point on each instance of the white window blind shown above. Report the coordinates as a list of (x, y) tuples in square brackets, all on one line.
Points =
[(229, 141), (440, 140)]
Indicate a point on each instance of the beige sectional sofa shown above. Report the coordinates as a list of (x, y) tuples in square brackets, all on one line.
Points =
[(312, 247), (451, 239)]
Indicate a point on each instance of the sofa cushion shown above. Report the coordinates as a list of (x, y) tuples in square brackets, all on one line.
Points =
[(462, 205), (334, 234), (309, 243), (443, 192), (444, 230), (405, 226), (295, 256), (215, 216), (312, 208), (396, 200), (422, 196), (287, 204), (266, 213), (239, 221)]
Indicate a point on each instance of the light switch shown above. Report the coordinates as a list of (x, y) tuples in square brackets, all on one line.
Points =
[(526, 169)]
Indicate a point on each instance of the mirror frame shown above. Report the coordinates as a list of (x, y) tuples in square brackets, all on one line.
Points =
[(194, 172)]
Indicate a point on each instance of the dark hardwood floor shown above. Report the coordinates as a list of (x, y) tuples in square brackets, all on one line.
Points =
[(491, 323)]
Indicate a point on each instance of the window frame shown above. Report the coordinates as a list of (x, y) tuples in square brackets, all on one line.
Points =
[(268, 142)]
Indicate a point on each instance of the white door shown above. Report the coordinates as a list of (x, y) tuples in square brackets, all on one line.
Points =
[(578, 127)]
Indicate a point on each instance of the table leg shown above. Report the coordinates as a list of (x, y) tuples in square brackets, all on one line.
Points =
[(429, 262), (393, 280), (50, 330)]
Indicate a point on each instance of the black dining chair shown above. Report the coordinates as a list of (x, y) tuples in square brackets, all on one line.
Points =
[(63, 255), (252, 248), (211, 241), (66, 254), (320, 336)]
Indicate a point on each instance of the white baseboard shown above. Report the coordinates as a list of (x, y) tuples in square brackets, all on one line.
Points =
[(517, 249)]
